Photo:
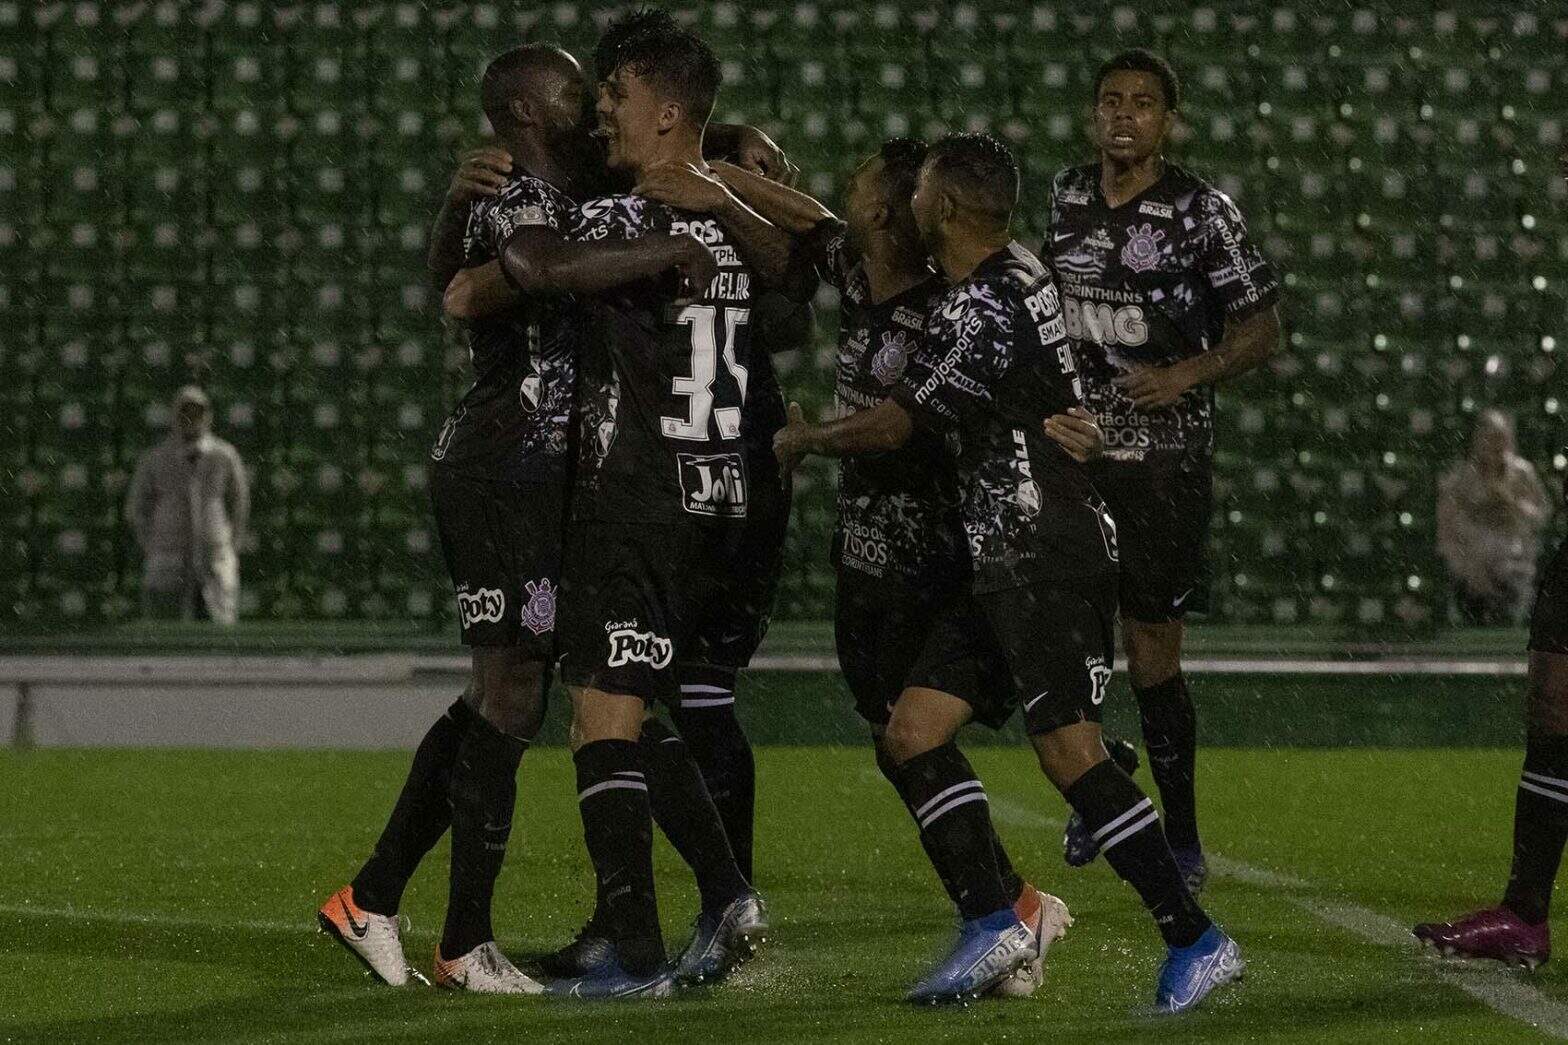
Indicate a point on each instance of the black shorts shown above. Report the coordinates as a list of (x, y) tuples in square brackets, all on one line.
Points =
[(1046, 648), (502, 545), (1162, 531), (732, 628), (1549, 621), (880, 626), (635, 599)]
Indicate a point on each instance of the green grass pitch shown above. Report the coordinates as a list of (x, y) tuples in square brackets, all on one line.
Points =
[(168, 896)]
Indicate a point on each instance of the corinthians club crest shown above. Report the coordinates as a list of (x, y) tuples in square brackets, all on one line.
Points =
[(1142, 251), (539, 610), (889, 362)]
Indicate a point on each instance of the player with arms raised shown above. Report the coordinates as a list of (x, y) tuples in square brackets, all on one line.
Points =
[(1163, 295)]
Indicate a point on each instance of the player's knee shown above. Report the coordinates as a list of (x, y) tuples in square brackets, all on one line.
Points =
[(514, 700), (1153, 651), (907, 737), (1068, 753)]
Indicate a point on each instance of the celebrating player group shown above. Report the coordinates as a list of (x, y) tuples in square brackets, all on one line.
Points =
[(1026, 443)]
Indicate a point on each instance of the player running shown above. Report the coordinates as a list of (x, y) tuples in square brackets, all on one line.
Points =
[(498, 480), (1516, 931), (1033, 630), (1163, 295), (661, 492), (899, 544)]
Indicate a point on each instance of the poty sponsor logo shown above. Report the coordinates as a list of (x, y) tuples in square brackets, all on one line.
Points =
[(1099, 677), (486, 604), (1156, 210), (644, 647)]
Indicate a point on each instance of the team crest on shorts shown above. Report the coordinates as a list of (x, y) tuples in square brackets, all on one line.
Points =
[(1142, 251), (890, 360), (539, 610)]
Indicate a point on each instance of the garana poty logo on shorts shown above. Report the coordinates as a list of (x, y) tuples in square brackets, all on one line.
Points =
[(539, 610), (628, 644), (486, 604), (1099, 677)]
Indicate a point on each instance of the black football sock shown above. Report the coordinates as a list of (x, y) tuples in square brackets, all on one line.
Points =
[(706, 720), (421, 816), (1170, 734), (1012, 882), (949, 805), (484, 793), (612, 797), (1125, 823), (685, 813), (1540, 827)]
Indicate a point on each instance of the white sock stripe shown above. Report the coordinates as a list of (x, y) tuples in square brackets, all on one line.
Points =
[(630, 774), (1119, 821), (942, 796), (973, 796), (1546, 781), (607, 785), (1152, 818), (696, 688), (1557, 796), (707, 702)]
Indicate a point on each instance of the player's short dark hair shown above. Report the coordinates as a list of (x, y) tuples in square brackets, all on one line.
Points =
[(901, 159), (607, 54), (982, 171), (1142, 60), (507, 77), (679, 64)]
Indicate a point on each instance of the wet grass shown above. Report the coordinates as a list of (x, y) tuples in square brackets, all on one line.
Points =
[(168, 896)]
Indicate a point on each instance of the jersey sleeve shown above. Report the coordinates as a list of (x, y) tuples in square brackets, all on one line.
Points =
[(826, 248), (614, 218), (967, 350), (524, 203), (1237, 273)]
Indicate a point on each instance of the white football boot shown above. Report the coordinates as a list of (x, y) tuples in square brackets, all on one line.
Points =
[(372, 938), (1049, 921), (484, 970)]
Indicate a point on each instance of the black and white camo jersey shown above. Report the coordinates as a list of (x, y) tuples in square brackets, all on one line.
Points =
[(514, 420), (662, 386), (898, 510), (1151, 282), (996, 364)]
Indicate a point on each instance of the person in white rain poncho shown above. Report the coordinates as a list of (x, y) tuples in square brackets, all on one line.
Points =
[(188, 503)]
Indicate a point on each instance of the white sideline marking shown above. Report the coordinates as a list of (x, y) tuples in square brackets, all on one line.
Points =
[(166, 921), (1249, 666), (1499, 989)]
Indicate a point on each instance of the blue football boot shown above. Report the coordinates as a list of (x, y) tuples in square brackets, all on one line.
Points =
[(988, 950), (724, 939), (1190, 973), (611, 981)]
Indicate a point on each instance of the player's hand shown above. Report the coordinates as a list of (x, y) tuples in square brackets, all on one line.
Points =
[(481, 173), (696, 265), (1152, 387), (683, 187), (1076, 432), (789, 442), (760, 154)]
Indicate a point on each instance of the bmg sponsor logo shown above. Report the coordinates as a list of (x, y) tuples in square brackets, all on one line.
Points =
[(486, 604), (644, 647)]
